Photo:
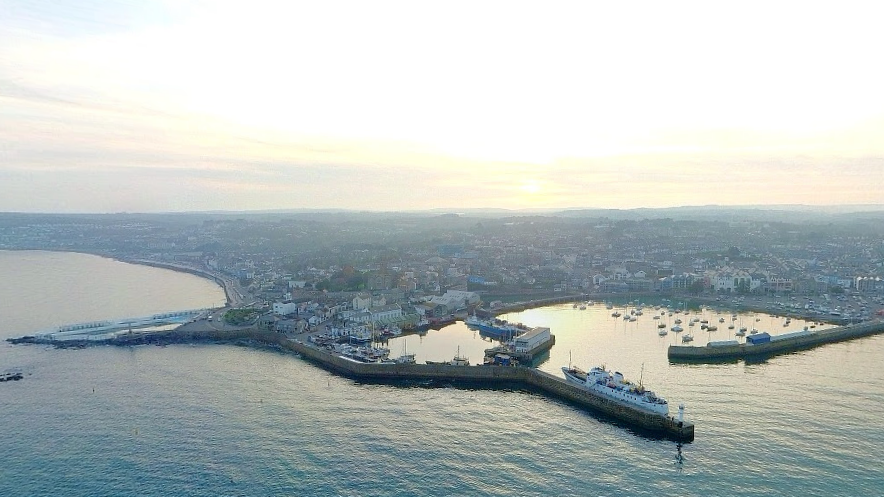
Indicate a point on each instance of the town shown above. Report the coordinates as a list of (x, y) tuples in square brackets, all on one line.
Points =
[(293, 272)]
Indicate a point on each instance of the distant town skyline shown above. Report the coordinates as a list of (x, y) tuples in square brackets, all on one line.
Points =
[(156, 106)]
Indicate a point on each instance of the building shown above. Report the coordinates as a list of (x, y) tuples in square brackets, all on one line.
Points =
[(733, 281), (386, 314), (779, 284), (532, 339), (456, 299), (362, 301), (285, 308)]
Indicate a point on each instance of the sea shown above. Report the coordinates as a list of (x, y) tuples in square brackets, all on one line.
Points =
[(224, 420)]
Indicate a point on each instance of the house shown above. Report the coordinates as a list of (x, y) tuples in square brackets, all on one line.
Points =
[(362, 300)]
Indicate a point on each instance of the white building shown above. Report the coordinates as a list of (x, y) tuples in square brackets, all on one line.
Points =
[(532, 339), (385, 314), (362, 301), (456, 299), (284, 308), (732, 281)]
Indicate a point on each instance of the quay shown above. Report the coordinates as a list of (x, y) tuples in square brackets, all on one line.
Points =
[(493, 376), (723, 351)]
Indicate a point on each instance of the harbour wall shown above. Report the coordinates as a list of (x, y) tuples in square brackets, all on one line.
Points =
[(492, 376), (769, 349), (534, 379)]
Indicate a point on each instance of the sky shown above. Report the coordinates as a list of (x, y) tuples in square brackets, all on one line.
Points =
[(180, 105)]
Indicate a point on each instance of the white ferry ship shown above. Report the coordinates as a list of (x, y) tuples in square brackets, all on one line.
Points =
[(614, 386)]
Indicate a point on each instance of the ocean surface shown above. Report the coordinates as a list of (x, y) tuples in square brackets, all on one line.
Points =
[(217, 420)]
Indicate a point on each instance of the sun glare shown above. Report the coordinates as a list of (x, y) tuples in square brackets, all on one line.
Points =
[(530, 186)]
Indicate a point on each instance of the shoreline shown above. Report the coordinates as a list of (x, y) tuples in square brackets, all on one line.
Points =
[(201, 273), (229, 293)]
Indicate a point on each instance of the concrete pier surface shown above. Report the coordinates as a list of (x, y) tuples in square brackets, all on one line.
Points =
[(714, 352)]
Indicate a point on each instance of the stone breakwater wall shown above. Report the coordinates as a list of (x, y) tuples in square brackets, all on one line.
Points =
[(491, 376), (742, 350)]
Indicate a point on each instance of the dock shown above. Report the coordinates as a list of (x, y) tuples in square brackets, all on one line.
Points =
[(719, 351)]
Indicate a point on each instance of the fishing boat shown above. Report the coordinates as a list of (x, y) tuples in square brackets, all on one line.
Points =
[(459, 360)]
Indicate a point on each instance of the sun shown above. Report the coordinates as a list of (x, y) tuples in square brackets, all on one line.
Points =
[(530, 186)]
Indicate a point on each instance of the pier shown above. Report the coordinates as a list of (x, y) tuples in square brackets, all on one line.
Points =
[(99, 328), (530, 378), (493, 376), (714, 352)]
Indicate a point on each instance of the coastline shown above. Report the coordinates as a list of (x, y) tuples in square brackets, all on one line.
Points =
[(230, 293)]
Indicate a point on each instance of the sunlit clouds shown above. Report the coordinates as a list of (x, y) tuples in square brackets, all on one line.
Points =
[(158, 106)]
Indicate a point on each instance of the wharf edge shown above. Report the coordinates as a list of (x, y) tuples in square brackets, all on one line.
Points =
[(505, 376)]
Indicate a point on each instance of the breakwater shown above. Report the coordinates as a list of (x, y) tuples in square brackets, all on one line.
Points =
[(491, 376), (774, 347)]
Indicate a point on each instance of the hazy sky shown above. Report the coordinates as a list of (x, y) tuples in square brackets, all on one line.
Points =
[(148, 105)]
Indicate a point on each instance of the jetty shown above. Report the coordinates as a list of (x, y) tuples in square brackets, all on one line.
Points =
[(770, 345), (101, 329), (487, 376)]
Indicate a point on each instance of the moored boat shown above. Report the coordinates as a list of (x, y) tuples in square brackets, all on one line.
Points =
[(613, 386), (459, 360), (496, 328)]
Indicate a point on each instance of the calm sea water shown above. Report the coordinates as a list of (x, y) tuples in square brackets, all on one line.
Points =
[(224, 420)]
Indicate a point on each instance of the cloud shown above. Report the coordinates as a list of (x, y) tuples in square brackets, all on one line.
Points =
[(492, 104)]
